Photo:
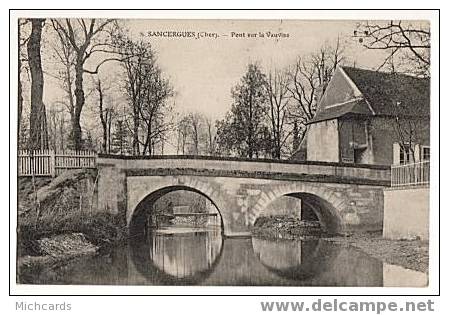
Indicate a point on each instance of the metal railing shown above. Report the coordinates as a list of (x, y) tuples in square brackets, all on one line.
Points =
[(413, 174), (51, 163)]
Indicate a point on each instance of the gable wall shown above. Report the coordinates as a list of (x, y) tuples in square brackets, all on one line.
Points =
[(322, 141), (339, 90)]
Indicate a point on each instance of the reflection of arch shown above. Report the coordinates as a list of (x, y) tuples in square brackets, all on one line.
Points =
[(142, 255), (325, 203), (136, 224), (293, 259)]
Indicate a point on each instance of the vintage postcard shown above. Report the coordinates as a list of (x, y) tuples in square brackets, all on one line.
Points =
[(162, 150)]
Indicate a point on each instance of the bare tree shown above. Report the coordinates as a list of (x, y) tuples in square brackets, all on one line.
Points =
[(182, 130), (140, 61), (196, 135), (65, 54), (279, 96), (154, 109), (410, 41), (83, 35), (38, 118), (409, 126), (56, 128), (326, 61), (21, 42), (303, 89), (211, 136), (105, 114), (195, 121), (309, 77)]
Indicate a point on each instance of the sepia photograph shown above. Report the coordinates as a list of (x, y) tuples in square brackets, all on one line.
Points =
[(230, 152)]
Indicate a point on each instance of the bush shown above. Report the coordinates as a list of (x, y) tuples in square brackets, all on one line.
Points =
[(64, 207), (99, 228)]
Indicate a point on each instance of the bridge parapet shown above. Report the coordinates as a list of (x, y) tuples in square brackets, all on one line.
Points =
[(268, 169)]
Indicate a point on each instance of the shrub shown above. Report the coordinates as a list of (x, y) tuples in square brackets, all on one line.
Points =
[(99, 228)]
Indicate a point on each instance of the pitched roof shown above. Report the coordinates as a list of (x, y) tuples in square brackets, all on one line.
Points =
[(357, 106), (375, 93), (384, 91)]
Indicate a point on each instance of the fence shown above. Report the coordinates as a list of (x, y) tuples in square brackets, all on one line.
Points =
[(51, 163), (410, 174)]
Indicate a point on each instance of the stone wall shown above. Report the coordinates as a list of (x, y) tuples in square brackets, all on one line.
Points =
[(284, 205), (406, 213), (323, 141), (340, 207)]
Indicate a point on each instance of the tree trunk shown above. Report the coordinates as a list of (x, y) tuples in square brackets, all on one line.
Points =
[(61, 133), (102, 118), (38, 119), (105, 136), (250, 129), (79, 102), (109, 132), (19, 86), (136, 123)]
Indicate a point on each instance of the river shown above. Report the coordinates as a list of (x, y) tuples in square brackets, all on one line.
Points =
[(202, 256)]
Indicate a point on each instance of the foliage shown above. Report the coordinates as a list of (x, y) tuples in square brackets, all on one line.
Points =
[(242, 132), (98, 227), (120, 143)]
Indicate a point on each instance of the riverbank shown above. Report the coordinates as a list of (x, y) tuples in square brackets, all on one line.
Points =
[(57, 222), (286, 227), (54, 252), (410, 254)]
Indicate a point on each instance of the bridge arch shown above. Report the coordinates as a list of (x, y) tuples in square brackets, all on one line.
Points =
[(328, 206), (137, 214)]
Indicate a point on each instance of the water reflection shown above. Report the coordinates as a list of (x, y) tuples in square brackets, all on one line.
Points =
[(177, 255), (201, 256), (291, 259)]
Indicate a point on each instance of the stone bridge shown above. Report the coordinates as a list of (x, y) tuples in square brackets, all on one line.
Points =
[(345, 197)]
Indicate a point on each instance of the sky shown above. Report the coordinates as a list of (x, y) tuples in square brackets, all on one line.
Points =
[(204, 70)]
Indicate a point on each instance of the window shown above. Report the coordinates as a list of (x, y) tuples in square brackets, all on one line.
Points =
[(425, 153), (405, 154)]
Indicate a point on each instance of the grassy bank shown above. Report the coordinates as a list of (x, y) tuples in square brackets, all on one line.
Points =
[(62, 206), (58, 223), (99, 229)]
